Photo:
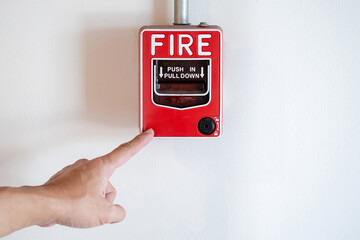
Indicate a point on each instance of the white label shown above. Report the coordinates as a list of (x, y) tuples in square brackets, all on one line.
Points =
[(185, 41), (185, 46), (202, 44), (155, 44)]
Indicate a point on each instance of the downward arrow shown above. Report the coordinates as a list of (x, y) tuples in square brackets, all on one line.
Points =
[(202, 72), (161, 73)]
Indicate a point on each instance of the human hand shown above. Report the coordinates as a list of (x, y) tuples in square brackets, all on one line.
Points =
[(82, 193)]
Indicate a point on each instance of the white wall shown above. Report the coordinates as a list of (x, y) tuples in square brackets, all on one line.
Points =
[(288, 164)]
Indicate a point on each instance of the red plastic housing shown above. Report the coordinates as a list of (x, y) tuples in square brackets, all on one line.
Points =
[(180, 79)]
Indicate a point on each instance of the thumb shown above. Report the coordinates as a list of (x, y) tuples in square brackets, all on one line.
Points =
[(115, 214)]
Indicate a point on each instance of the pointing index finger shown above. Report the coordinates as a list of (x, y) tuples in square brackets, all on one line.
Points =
[(125, 151)]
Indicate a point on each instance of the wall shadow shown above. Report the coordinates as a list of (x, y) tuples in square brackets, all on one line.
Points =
[(111, 76), (163, 12)]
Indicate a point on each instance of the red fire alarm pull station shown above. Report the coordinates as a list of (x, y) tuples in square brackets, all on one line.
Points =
[(181, 78)]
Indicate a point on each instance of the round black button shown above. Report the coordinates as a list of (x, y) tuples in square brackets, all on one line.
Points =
[(206, 126)]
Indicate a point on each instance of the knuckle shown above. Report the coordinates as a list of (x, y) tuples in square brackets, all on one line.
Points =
[(98, 163), (114, 194), (128, 146), (102, 162), (104, 220), (81, 161)]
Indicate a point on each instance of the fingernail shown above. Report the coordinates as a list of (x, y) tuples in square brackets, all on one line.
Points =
[(150, 130)]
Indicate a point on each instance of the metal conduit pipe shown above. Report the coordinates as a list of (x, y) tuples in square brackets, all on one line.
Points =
[(181, 12)]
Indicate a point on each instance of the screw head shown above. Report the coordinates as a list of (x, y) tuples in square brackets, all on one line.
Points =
[(203, 24)]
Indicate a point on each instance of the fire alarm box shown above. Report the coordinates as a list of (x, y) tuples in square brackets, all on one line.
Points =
[(181, 80)]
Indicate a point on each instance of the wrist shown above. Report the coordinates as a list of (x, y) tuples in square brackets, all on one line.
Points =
[(37, 204), (25, 206)]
